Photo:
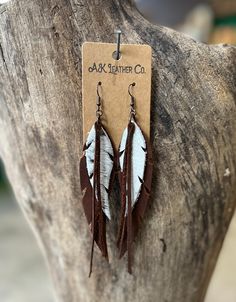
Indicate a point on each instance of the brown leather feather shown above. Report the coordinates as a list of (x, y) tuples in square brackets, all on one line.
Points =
[(129, 224), (92, 201)]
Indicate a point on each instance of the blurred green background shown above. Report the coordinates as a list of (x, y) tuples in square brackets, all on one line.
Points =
[(3, 180)]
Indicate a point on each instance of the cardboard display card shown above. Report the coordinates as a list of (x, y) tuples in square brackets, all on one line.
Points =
[(134, 65)]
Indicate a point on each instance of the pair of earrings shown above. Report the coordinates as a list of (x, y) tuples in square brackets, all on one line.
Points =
[(134, 163)]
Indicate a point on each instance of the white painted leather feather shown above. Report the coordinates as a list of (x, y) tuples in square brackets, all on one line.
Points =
[(138, 161), (106, 165)]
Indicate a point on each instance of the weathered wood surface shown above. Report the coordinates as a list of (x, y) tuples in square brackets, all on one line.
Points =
[(193, 134)]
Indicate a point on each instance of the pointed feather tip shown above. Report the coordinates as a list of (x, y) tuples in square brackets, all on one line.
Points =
[(106, 257), (122, 251), (91, 271), (130, 271), (121, 254)]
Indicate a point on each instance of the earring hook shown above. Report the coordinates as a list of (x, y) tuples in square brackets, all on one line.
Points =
[(98, 85), (99, 110), (132, 109), (131, 85)]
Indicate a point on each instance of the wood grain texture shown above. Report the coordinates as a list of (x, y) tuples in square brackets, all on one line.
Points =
[(193, 133)]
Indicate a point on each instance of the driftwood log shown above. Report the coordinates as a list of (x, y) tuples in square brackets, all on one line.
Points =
[(193, 132)]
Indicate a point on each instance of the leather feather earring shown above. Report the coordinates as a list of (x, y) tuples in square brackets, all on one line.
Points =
[(135, 175), (96, 169)]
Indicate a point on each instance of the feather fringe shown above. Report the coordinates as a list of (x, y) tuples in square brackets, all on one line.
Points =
[(96, 170), (135, 175)]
